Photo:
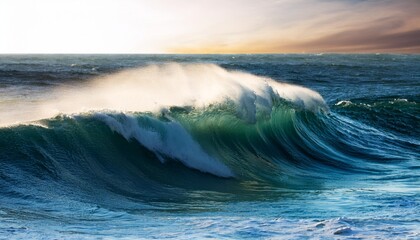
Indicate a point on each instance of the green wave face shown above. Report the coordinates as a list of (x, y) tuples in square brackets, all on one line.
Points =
[(156, 156)]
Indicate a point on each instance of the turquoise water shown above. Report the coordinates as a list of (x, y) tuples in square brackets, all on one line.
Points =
[(210, 146)]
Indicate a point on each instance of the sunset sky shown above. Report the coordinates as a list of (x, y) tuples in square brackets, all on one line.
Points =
[(209, 26)]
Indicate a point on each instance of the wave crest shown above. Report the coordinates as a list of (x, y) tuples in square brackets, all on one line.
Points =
[(156, 87)]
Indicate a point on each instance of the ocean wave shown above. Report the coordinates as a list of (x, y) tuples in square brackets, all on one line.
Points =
[(150, 133), (148, 155)]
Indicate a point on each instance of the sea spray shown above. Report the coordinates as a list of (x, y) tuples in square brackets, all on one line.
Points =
[(156, 87)]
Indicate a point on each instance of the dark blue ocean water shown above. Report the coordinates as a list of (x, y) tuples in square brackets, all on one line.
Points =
[(210, 146)]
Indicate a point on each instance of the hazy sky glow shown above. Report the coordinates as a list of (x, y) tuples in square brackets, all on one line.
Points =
[(209, 26)]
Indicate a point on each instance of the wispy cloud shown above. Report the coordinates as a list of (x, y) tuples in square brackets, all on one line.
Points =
[(328, 26)]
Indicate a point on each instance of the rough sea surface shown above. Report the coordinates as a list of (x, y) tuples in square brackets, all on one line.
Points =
[(305, 146)]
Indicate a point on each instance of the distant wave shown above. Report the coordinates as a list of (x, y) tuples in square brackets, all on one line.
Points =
[(395, 115)]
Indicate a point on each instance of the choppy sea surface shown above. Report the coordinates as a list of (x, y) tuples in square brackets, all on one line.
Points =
[(302, 146)]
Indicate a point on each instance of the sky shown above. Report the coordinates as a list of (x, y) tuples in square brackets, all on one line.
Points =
[(209, 26)]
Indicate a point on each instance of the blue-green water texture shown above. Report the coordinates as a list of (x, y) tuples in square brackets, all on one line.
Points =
[(303, 146)]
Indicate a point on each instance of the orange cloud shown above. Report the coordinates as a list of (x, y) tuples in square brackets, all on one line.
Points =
[(381, 26)]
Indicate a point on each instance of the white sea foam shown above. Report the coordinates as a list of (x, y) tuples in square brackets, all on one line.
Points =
[(344, 103), (156, 87), (166, 139)]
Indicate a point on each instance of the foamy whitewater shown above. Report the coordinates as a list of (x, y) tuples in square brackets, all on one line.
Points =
[(209, 146)]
